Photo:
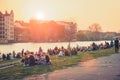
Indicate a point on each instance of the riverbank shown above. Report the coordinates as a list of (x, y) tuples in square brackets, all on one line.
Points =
[(57, 63)]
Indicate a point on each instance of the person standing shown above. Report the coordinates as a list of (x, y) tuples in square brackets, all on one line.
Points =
[(0, 57), (116, 45), (111, 43)]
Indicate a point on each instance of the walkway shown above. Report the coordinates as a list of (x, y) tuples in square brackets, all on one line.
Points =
[(105, 68)]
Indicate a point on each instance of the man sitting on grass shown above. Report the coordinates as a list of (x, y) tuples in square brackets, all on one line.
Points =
[(31, 59), (47, 58)]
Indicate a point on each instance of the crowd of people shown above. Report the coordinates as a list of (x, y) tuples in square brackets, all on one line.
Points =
[(31, 58), (9, 56), (40, 57)]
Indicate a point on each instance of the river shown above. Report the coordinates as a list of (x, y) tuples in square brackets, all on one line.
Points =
[(17, 47)]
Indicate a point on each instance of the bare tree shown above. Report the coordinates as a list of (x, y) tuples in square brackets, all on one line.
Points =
[(95, 27)]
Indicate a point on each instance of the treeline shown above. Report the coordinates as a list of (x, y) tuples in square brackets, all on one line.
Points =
[(90, 36), (95, 33)]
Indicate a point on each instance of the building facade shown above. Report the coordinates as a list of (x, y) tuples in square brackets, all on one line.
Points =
[(21, 33), (6, 27), (70, 30)]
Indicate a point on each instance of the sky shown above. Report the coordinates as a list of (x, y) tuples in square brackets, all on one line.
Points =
[(83, 12)]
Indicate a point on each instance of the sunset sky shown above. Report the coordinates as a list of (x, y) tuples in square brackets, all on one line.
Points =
[(83, 12)]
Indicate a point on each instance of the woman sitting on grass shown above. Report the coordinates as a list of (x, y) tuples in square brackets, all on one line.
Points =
[(42, 60), (45, 59), (61, 53)]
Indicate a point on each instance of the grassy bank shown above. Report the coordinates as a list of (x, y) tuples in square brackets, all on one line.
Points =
[(8, 61), (19, 71)]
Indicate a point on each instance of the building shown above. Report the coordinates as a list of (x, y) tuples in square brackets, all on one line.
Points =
[(6, 27), (70, 30), (21, 32)]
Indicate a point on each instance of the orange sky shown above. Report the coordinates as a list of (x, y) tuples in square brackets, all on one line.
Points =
[(84, 12)]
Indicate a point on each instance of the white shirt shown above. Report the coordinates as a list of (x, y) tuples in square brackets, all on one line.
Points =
[(61, 53)]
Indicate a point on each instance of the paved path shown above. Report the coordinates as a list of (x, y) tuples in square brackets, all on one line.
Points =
[(105, 68)]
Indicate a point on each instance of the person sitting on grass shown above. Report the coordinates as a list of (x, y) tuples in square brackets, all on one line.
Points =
[(73, 51), (106, 45), (3, 56), (47, 58), (90, 48), (8, 57), (61, 53), (67, 53), (25, 59), (31, 59), (42, 60), (94, 46)]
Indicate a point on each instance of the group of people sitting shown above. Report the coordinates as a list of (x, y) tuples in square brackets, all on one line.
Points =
[(73, 51), (31, 58), (62, 51), (40, 57), (100, 46), (10, 56)]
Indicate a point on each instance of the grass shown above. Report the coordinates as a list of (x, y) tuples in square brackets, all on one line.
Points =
[(19, 71), (8, 61)]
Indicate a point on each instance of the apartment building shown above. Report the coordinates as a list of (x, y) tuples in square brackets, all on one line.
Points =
[(6, 27)]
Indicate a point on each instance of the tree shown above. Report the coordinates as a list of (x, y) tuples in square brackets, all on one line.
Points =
[(95, 27)]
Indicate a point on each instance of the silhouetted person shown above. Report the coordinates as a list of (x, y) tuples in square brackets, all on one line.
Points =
[(14, 54), (111, 43), (31, 59), (8, 57), (116, 45), (4, 57), (94, 46), (22, 52), (47, 59)]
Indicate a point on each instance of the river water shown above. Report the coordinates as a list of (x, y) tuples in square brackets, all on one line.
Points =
[(17, 47)]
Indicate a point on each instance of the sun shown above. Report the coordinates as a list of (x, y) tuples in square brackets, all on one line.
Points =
[(40, 16)]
